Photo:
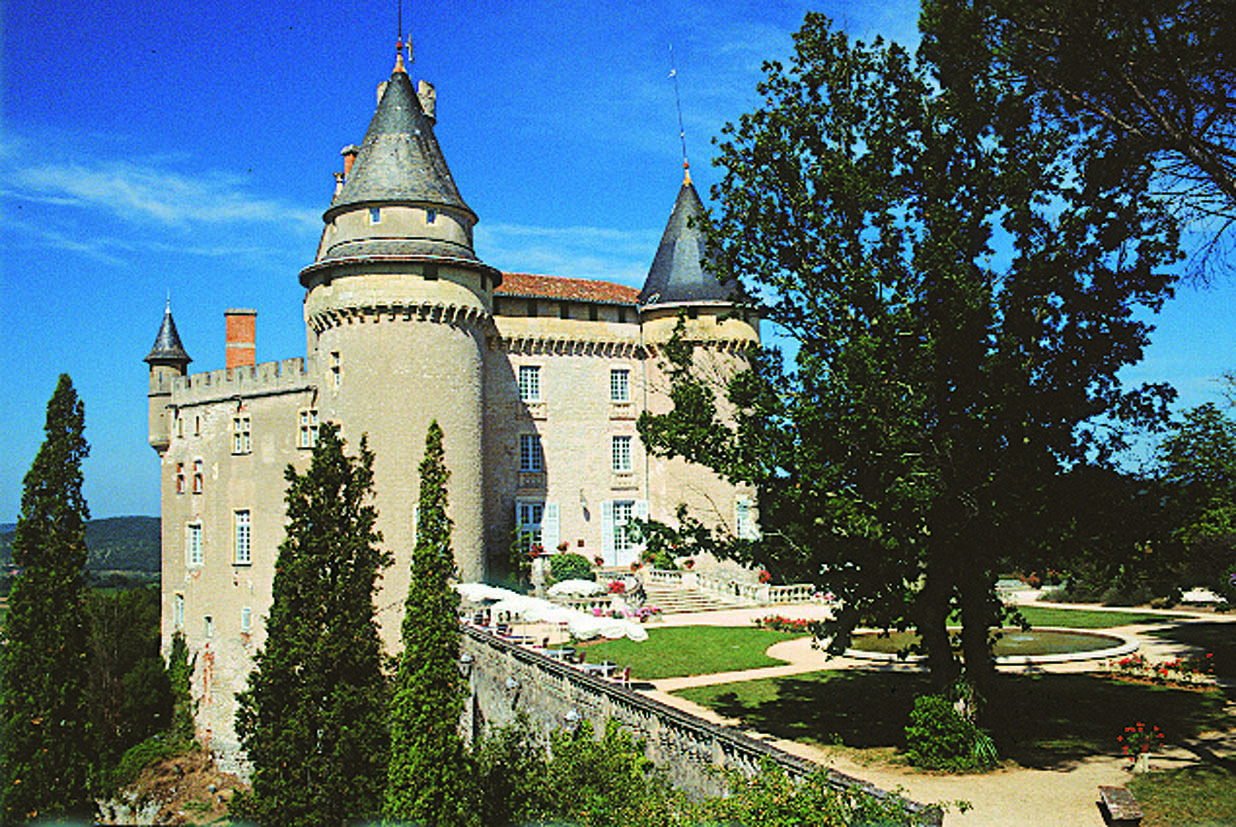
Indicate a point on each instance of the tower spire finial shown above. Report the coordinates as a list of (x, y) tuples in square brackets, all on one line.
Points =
[(682, 133), (399, 38)]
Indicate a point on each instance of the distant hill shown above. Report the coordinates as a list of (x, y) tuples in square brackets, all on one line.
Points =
[(114, 543)]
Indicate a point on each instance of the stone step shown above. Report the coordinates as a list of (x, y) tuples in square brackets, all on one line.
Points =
[(671, 600)]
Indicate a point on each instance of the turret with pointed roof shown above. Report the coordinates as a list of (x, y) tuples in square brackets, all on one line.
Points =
[(398, 201), (167, 348), (684, 270), (168, 361)]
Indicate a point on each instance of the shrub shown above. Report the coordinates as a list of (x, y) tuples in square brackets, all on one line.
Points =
[(1134, 595), (662, 560), (569, 567), (939, 738)]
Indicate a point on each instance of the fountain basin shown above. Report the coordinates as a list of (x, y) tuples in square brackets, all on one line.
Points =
[(1038, 645)]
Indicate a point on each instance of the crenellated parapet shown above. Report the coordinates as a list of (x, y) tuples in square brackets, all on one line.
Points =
[(284, 376)]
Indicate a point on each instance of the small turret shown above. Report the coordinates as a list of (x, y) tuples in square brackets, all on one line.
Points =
[(167, 360)]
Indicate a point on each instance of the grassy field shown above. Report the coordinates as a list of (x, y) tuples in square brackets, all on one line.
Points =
[(676, 651), (1087, 618), (1046, 721), (1204, 795)]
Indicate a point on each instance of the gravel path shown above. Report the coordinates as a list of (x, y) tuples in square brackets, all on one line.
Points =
[(1010, 796)]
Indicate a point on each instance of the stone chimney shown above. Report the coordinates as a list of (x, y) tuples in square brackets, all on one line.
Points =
[(241, 337), (429, 100)]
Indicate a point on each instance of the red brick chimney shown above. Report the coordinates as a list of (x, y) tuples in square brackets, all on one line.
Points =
[(349, 154), (241, 337)]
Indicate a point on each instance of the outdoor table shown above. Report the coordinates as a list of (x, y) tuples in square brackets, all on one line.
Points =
[(560, 654), (604, 669)]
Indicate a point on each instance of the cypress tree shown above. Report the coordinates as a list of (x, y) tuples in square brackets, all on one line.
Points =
[(430, 771), (45, 762), (313, 720)]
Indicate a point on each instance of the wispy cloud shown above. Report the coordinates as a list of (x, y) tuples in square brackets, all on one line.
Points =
[(577, 251), (138, 192)]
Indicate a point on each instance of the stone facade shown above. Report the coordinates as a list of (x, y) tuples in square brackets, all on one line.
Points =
[(536, 381)]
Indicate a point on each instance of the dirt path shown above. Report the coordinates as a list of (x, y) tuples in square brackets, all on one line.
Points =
[(1010, 796)]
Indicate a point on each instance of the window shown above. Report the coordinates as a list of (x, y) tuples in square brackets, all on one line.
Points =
[(336, 376), (620, 454), (375, 215), (744, 519), (430, 273), (620, 385), (431, 216), (530, 456), (193, 544), (246, 620), (208, 627), (197, 426), (592, 312), (564, 310), (528, 516), (623, 511), (532, 308), (241, 440), (197, 476), (530, 383), (308, 429), (622, 314), (180, 478), (240, 537), (178, 611), (180, 427)]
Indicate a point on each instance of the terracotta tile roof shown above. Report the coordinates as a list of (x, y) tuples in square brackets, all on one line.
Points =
[(556, 287)]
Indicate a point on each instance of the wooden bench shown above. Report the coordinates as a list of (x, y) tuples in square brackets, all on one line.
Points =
[(1121, 806)]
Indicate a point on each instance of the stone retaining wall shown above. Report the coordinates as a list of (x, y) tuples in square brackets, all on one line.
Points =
[(506, 680)]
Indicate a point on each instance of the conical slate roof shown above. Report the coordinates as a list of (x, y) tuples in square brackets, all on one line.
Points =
[(167, 346), (400, 159), (678, 274)]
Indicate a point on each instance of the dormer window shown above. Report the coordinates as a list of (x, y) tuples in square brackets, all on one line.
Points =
[(431, 216), (375, 215)]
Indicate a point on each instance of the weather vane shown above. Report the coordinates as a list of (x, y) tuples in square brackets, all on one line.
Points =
[(682, 133)]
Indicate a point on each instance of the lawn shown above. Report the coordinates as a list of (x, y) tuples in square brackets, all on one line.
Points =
[(1202, 795), (1087, 618), (676, 651), (1046, 721)]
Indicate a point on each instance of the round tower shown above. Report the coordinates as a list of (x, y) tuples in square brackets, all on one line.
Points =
[(168, 360), (687, 282), (396, 309)]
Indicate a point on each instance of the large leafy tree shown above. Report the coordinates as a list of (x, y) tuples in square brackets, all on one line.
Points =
[(130, 693), (960, 284), (1151, 78), (313, 719), (430, 771), (1198, 460), (45, 755)]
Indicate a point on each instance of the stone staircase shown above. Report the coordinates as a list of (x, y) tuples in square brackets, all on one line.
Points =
[(677, 599)]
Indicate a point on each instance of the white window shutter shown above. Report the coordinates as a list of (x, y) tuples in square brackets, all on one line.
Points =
[(416, 513), (639, 511), (607, 530), (550, 530)]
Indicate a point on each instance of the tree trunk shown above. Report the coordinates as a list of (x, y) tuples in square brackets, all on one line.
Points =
[(932, 624), (977, 617)]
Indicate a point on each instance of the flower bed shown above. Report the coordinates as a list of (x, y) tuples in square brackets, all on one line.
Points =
[(777, 623), (1185, 673)]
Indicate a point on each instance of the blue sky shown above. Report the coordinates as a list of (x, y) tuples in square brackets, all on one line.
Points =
[(189, 148)]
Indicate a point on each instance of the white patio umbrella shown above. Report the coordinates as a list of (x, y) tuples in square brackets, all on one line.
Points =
[(576, 588), (534, 609)]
